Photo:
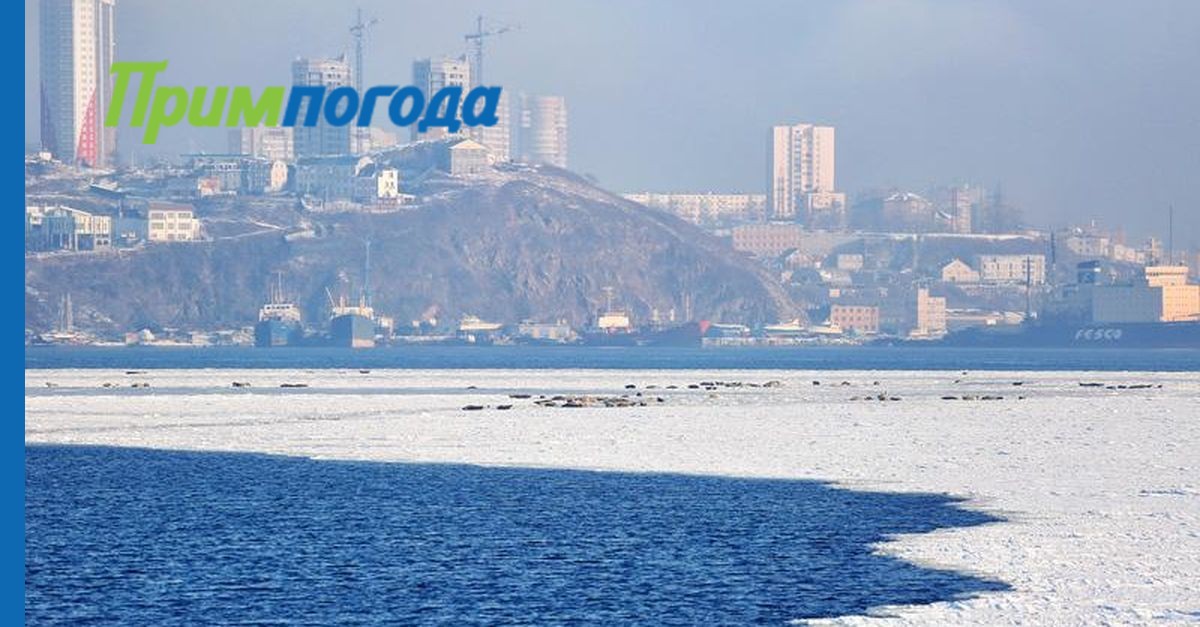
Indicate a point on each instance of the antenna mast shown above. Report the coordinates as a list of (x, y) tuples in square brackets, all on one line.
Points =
[(475, 41), (358, 30), (1170, 235)]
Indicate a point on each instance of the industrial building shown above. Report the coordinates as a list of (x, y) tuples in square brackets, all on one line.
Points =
[(65, 228)]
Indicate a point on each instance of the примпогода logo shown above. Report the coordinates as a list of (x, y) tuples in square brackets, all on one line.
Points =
[(158, 106)]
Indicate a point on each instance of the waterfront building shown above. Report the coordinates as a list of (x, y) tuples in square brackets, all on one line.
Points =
[(862, 319), (930, 318)]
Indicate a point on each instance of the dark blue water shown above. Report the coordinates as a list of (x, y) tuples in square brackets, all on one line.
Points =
[(792, 358), (130, 536)]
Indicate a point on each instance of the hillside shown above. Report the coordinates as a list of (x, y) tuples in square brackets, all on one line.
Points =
[(521, 243)]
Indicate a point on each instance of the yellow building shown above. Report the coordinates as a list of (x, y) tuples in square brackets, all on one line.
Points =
[(858, 318), (169, 222), (931, 315), (958, 271), (767, 240)]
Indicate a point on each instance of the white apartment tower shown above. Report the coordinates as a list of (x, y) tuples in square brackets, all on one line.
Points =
[(323, 139), (76, 51), (801, 188), (430, 76), (542, 130)]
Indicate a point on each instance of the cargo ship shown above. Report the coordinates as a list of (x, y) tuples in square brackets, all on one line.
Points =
[(1159, 309), (683, 334), (278, 321), (1066, 334), (613, 328), (475, 330), (352, 326)]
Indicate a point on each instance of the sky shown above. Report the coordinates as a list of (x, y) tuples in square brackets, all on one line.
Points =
[(1078, 110)]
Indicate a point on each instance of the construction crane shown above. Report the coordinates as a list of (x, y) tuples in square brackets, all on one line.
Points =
[(358, 30), (475, 41)]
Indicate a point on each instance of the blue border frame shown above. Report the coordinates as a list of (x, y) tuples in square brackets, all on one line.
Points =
[(12, 459)]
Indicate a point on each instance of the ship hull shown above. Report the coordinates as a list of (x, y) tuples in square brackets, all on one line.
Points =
[(352, 331), (1082, 335), (271, 333), (687, 334), (600, 338)]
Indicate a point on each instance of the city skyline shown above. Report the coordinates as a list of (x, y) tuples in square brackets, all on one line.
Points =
[(906, 116)]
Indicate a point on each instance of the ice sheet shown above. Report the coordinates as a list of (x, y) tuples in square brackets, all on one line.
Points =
[(1101, 486)]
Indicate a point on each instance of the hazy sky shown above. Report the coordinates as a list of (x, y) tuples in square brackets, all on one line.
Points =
[(1080, 110)]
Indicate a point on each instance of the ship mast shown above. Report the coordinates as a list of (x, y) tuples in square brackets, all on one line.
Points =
[(67, 315), (365, 298)]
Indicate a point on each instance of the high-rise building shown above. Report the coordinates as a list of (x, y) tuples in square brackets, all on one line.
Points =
[(497, 138), (76, 51), (542, 130), (800, 161), (430, 76), (267, 142), (324, 138), (965, 200), (930, 318)]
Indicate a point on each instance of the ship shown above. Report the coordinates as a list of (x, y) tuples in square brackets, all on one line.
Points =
[(534, 333), (614, 327), (475, 330), (355, 325), (1159, 309), (1068, 334), (682, 334), (351, 325), (278, 321), (65, 332)]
